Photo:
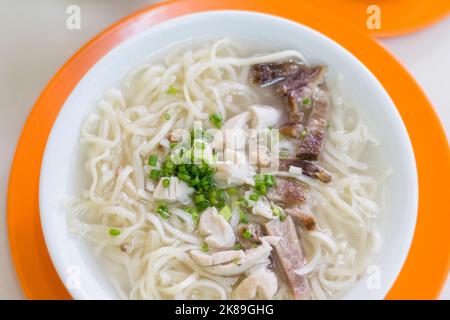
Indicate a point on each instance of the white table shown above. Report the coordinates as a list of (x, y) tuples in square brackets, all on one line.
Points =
[(35, 43)]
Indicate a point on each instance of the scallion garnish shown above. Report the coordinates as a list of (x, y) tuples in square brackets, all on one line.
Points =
[(247, 234), (243, 217), (155, 174), (204, 247), (152, 160), (163, 211), (226, 213), (166, 182), (254, 197), (114, 232), (172, 90), (216, 119)]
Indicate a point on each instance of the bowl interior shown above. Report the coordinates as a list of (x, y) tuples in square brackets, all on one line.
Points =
[(62, 167)]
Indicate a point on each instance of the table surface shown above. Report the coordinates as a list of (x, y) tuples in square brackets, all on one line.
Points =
[(36, 42)]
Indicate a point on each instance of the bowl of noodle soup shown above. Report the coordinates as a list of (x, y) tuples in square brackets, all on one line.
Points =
[(122, 221)]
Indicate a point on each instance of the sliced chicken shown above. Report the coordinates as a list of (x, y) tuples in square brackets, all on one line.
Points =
[(233, 134), (234, 169), (176, 191), (218, 232), (204, 259), (260, 284), (252, 257), (289, 255), (264, 117), (262, 208)]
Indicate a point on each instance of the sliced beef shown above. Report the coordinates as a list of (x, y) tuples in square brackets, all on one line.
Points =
[(309, 168), (309, 77), (268, 73), (314, 140), (288, 255), (301, 217), (256, 233), (287, 192)]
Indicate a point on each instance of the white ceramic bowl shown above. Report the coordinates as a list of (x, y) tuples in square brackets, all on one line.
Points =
[(62, 166)]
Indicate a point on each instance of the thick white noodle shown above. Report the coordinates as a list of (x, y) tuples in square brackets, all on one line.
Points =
[(150, 258)]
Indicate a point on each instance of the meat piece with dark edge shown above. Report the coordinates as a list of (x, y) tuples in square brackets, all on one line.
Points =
[(302, 217), (305, 77), (289, 255), (314, 140), (309, 168), (264, 74), (287, 192)]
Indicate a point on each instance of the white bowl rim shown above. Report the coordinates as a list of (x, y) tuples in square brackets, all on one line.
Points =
[(56, 251)]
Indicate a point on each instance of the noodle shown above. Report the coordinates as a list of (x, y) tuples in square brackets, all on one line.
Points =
[(149, 259)]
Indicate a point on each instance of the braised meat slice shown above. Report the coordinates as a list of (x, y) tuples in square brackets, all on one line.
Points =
[(309, 168), (287, 192), (300, 89), (305, 77), (302, 217), (314, 140), (289, 255), (293, 130), (264, 74)]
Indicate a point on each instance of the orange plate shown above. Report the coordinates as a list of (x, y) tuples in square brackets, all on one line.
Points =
[(427, 264), (396, 16)]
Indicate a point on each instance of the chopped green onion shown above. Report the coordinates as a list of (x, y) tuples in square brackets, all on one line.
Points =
[(276, 211), (193, 212), (262, 182), (172, 145), (204, 247), (242, 202), (152, 160), (114, 232), (166, 183), (243, 218), (237, 246), (163, 211), (232, 191), (303, 134), (172, 90), (306, 102), (184, 177), (167, 116), (216, 119), (254, 197), (200, 145), (168, 167), (226, 213), (269, 180), (247, 234), (262, 189), (283, 217), (155, 174)]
